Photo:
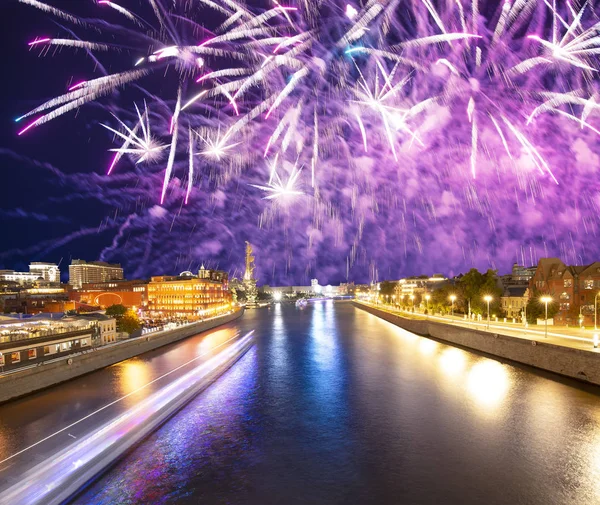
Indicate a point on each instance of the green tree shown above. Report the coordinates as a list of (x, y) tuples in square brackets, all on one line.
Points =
[(440, 299), (128, 322), (116, 310), (474, 286), (386, 288), (537, 310)]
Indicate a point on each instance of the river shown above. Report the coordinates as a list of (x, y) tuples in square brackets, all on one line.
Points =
[(335, 406)]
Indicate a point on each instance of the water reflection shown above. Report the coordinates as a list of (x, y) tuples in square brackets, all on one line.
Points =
[(347, 408), (323, 334), (427, 346), (135, 373), (488, 384), (206, 435), (453, 362)]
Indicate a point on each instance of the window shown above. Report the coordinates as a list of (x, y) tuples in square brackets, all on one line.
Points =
[(31, 353), (588, 284), (565, 306), (15, 357), (564, 295), (49, 349), (84, 342), (1, 359), (568, 283)]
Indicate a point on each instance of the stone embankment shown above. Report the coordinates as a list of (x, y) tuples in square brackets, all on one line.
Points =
[(46, 374), (578, 364)]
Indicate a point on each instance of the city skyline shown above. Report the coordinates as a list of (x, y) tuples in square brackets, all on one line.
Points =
[(294, 252)]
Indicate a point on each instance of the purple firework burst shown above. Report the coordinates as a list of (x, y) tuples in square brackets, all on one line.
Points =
[(343, 139)]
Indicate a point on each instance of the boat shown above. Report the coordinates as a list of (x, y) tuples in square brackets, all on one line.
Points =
[(301, 303)]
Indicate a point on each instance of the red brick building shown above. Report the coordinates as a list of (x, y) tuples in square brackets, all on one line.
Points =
[(104, 294), (573, 289)]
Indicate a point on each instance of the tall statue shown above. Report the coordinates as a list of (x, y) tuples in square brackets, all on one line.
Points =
[(249, 280), (249, 273)]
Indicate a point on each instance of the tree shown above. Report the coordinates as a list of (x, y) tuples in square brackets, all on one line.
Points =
[(440, 299), (537, 309), (474, 286), (386, 288), (116, 310), (129, 322)]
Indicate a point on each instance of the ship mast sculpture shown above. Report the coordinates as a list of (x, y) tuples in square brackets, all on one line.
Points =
[(249, 280)]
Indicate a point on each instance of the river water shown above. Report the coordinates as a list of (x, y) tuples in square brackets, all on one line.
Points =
[(335, 406)]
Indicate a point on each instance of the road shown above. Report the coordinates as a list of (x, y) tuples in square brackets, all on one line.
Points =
[(567, 337)]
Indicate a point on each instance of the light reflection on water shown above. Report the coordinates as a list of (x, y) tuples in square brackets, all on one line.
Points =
[(134, 375), (488, 385), (337, 406)]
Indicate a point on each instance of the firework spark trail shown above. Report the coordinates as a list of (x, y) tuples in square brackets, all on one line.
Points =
[(52, 10), (78, 44), (122, 10), (191, 164), (174, 135), (321, 83)]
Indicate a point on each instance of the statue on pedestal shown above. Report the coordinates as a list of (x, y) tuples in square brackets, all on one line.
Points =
[(249, 281)]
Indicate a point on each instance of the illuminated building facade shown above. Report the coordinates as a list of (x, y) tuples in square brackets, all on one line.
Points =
[(81, 272), (188, 295), (38, 271), (131, 294), (573, 289)]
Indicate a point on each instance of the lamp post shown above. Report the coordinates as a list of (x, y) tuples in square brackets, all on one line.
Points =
[(427, 298), (488, 299), (412, 301), (596, 311), (452, 300), (546, 300)]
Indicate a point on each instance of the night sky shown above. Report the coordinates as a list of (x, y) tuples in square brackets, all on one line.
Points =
[(372, 216)]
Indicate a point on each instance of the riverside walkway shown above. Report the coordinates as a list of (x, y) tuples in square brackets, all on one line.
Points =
[(575, 338)]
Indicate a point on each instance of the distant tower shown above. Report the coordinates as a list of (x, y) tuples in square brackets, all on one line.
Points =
[(249, 280)]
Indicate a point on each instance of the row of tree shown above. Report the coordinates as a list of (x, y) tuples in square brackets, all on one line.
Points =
[(470, 291)]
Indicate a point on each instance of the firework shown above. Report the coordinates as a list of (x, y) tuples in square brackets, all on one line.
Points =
[(433, 99)]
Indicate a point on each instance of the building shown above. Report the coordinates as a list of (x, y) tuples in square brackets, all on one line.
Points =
[(131, 294), (413, 286), (521, 273), (573, 288), (106, 326), (46, 271), (519, 277), (39, 298), (81, 272), (38, 271), (514, 301), (24, 342), (189, 296)]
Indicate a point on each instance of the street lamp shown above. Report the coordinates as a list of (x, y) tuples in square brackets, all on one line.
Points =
[(546, 300), (452, 300), (596, 311), (427, 298), (488, 299)]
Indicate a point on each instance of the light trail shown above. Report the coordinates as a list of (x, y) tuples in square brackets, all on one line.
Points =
[(118, 400), (66, 471)]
